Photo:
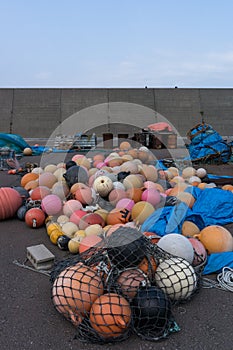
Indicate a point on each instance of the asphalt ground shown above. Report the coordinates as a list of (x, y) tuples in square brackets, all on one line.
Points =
[(28, 319)]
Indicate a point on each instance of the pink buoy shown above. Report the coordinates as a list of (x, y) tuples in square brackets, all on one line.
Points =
[(152, 196), (77, 156), (125, 203), (200, 253), (77, 215), (100, 165), (149, 185), (70, 206), (51, 204), (84, 195)]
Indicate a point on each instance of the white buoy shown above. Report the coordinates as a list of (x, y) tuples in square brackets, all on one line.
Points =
[(177, 245), (176, 277)]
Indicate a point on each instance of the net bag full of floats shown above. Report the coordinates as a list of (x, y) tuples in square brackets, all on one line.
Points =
[(124, 285), (207, 146)]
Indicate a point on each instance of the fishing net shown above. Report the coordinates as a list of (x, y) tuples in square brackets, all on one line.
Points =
[(125, 285)]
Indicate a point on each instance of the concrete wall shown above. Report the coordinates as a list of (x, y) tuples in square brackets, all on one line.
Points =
[(37, 113)]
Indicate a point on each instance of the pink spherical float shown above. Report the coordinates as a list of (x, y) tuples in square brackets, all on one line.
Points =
[(84, 195), (77, 215), (91, 219), (51, 204), (150, 184), (151, 196), (100, 165), (70, 206), (40, 192), (77, 156), (126, 203), (200, 253)]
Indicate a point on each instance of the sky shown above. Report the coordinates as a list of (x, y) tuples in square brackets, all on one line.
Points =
[(116, 43)]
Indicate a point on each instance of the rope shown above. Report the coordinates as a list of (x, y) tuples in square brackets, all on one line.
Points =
[(224, 280), (43, 272)]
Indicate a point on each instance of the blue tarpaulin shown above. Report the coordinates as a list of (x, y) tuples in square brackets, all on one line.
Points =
[(216, 262), (206, 144), (213, 206), (13, 141), (166, 220)]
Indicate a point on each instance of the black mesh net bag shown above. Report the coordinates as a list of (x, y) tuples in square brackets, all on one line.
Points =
[(110, 291)]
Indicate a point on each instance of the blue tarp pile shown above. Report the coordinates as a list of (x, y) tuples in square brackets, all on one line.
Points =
[(213, 206), (16, 143), (13, 141), (207, 145)]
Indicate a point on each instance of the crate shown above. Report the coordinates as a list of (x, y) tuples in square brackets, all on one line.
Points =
[(162, 140), (156, 140)]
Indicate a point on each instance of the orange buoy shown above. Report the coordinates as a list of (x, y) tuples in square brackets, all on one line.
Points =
[(129, 281), (40, 192), (125, 145), (189, 229), (110, 315), (30, 185), (118, 216), (35, 217), (227, 187), (28, 177), (74, 291), (135, 194), (186, 198), (216, 239), (178, 188), (148, 265)]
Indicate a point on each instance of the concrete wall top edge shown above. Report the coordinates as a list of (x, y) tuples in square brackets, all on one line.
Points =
[(112, 88)]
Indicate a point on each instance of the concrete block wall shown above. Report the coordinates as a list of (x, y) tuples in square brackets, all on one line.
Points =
[(37, 113)]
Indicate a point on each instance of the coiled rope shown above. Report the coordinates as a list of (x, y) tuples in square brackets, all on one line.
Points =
[(224, 280)]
